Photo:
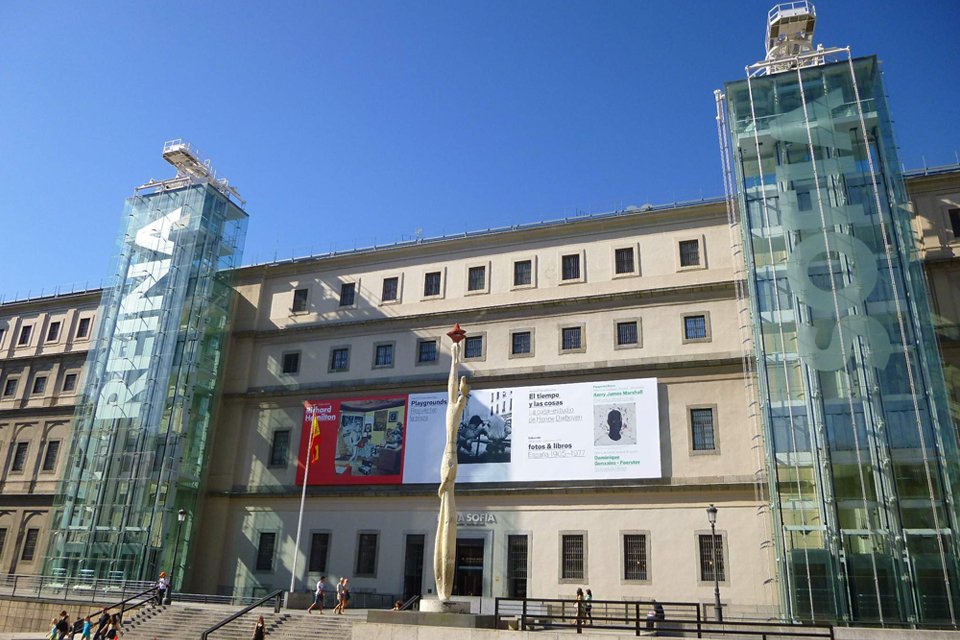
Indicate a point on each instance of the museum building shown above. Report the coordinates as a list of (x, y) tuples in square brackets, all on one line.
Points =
[(772, 352)]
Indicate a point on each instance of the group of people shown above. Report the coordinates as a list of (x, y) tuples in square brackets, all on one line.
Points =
[(343, 595), (585, 610), (108, 627)]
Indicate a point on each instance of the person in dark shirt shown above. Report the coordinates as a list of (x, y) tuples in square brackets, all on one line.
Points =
[(63, 625), (102, 623)]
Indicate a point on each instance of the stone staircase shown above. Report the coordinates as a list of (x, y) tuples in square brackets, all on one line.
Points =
[(187, 621)]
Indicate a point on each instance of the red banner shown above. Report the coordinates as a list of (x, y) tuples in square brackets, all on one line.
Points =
[(353, 441)]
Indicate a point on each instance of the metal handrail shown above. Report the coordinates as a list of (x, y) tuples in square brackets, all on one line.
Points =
[(152, 591), (409, 603), (278, 594)]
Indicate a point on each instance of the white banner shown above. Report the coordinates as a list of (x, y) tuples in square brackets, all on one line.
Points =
[(582, 431)]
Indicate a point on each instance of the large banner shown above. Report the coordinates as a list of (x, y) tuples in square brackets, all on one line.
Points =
[(583, 431)]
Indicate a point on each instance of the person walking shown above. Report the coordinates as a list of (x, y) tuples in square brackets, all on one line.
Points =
[(318, 595), (63, 625), (588, 607), (260, 631), (580, 607), (102, 623), (162, 585), (86, 629), (113, 629), (343, 595)]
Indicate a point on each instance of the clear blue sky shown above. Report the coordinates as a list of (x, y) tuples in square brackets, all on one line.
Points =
[(350, 123)]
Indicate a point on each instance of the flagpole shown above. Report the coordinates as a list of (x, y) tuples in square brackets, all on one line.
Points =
[(303, 499)]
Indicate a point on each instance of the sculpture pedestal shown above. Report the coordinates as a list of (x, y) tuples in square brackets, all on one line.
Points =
[(435, 605)]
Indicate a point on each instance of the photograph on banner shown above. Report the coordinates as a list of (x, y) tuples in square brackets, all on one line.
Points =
[(580, 431), (354, 440)]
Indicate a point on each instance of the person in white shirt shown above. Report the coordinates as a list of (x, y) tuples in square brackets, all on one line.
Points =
[(318, 595)]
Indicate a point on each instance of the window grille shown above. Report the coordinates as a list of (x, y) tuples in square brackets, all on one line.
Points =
[(689, 253), (634, 557), (319, 546), (624, 260), (627, 333), (366, 554), (268, 542), (695, 327), (522, 273), (299, 301), (391, 287), (572, 568), (520, 343), (473, 347), (280, 448), (571, 338), (384, 356), (701, 421), (570, 267), (431, 284), (477, 279), (427, 351), (517, 549), (707, 558), (348, 294)]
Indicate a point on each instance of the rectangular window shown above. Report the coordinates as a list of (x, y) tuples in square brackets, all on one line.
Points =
[(10, 387), (571, 338), (634, 556), (701, 424), (39, 384), (473, 347), (340, 359), (708, 559), (280, 448), (53, 331), (624, 261), (20, 456), (522, 273), (348, 294), (955, 222), (50, 456), (431, 284), (477, 279), (694, 327), (299, 301), (426, 351), (804, 202), (3, 540), (83, 328), (627, 333), (319, 547), (291, 362), (30, 544), (517, 552), (570, 266), (383, 355), (689, 253), (3, 332), (391, 287), (572, 557), (24, 335), (69, 382), (520, 343), (366, 554), (268, 543)]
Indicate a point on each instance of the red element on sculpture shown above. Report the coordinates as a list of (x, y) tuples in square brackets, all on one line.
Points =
[(457, 334)]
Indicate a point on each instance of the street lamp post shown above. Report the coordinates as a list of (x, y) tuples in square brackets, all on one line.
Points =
[(712, 517), (181, 516)]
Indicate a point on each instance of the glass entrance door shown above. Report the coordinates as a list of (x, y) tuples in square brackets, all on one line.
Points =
[(413, 567), (468, 578)]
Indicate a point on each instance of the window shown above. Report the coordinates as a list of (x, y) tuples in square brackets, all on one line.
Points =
[(366, 554), (20, 456), (431, 284), (280, 448), (383, 355), (69, 382), (954, 222), (30, 544), (268, 542), (804, 202), (10, 387), (319, 548), (623, 261), (627, 334), (50, 456), (299, 301), (571, 339), (39, 384), (3, 332), (695, 328), (570, 267), (634, 556), (340, 359), (426, 351), (473, 347), (24, 335), (348, 294), (521, 343), (572, 559), (523, 273), (689, 253), (391, 288), (517, 552), (708, 559), (477, 279), (701, 426), (291, 362), (53, 331), (83, 328), (3, 539)]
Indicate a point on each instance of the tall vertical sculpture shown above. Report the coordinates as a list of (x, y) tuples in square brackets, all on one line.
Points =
[(446, 544)]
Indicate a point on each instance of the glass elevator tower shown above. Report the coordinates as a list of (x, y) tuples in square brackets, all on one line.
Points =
[(140, 434), (862, 462)]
